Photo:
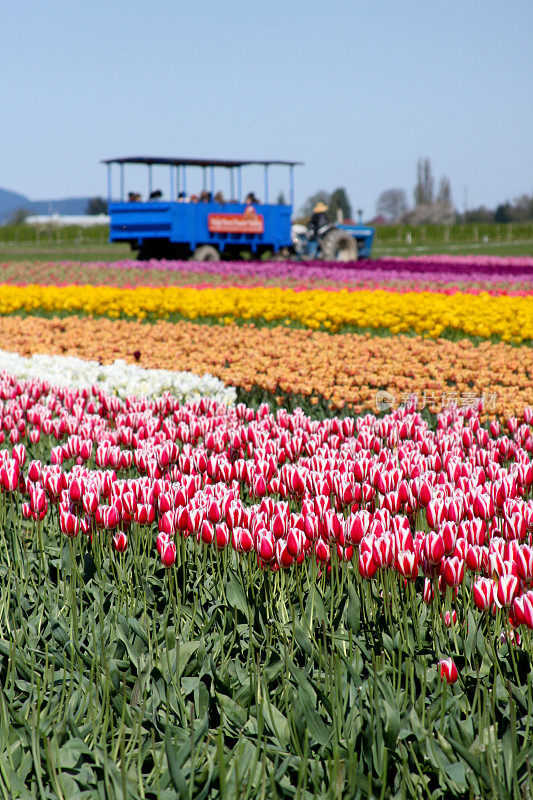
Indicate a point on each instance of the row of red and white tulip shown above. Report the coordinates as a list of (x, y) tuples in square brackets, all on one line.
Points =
[(335, 473)]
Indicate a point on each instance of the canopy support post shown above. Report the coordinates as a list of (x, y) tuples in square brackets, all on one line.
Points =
[(291, 178)]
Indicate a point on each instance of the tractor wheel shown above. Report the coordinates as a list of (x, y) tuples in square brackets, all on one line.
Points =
[(205, 252), (338, 245)]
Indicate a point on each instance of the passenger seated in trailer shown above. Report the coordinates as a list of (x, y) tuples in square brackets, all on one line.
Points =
[(206, 197), (219, 198), (194, 198), (157, 194), (134, 197), (251, 199), (182, 198)]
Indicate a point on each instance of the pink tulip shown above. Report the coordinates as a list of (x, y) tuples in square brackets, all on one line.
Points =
[(367, 565), (356, 526), (222, 535), (120, 541), (322, 552), (483, 592), (453, 571), (75, 490), (242, 540), (284, 558), (424, 494), (110, 517), (448, 670), (161, 540), (69, 524), (448, 531), (474, 558), (279, 525), (90, 501), (295, 542), (407, 564), (435, 513), (450, 619), (266, 548), (383, 551), (524, 563), (483, 506), (429, 592), (19, 454), (476, 531), (523, 609), (506, 591), (207, 534), (434, 547), (168, 554)]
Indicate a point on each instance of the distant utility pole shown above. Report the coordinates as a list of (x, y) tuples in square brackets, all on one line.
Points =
[(465, 200)]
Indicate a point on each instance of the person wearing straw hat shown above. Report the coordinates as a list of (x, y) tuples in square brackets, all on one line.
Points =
[(318, 220)]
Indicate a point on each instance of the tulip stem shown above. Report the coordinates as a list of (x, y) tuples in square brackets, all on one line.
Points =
[(73, 601), (510, 645)]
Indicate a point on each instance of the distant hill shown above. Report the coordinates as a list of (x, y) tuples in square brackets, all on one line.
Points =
[(12, 201)]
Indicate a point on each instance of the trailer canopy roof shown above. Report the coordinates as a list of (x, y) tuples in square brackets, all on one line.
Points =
[(196, 162)]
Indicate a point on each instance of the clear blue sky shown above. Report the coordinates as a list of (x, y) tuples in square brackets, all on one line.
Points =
[(358, 91)]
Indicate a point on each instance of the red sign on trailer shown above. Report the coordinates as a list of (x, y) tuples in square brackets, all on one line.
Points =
[(248, 222)]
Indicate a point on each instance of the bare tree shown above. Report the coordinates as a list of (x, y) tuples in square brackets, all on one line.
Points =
[(392, 203), (424, 183), (445, 192)]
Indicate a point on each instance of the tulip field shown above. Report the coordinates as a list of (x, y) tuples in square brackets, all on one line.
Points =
[(266, 530)]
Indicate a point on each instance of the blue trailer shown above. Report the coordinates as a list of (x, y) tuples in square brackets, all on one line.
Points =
[(207, 227)]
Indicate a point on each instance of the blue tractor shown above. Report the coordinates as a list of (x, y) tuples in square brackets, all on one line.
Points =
[(333, 242), (207, 227)]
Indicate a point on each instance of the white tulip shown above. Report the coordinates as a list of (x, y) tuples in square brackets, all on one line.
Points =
[(119, 378)]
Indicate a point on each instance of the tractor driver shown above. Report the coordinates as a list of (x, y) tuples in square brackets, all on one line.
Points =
[(318, 220)]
